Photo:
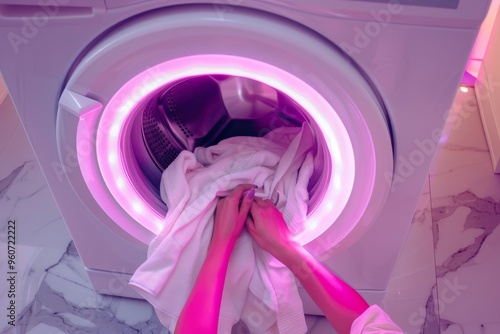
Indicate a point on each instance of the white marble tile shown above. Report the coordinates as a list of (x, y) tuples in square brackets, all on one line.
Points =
[(55, 295), (493, 328), (44, 329), (462, 162), (465, 197), (41, 236), (409, 299), (468, 276), (446, 230), (66, 303)]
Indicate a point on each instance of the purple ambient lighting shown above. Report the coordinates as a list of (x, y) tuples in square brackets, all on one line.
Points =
[(121, 106)]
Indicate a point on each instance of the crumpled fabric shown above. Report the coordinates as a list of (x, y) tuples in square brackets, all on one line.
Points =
[(258, 289), (374, 321)]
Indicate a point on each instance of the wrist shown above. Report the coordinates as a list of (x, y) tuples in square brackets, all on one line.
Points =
[(289, 252), (224, 245)]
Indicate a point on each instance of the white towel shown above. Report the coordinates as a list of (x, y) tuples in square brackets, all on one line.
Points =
[(258, 289)]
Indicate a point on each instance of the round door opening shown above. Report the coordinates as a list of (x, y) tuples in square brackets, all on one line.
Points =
[(102, 101), (202, 111), (186, 105)]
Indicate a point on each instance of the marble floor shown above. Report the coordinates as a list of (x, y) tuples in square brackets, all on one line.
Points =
[(446, 280)]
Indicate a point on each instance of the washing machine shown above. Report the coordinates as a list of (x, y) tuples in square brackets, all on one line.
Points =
[(109, 91)]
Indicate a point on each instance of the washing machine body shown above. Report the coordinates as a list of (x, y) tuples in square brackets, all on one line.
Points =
[(374, 80)]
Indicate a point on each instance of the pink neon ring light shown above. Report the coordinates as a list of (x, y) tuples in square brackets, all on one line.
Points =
[(120, 107)]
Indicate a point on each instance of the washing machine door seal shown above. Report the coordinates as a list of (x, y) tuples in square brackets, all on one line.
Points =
[(156, 49)]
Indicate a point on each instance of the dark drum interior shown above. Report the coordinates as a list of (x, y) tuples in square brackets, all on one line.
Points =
[(201, 111)]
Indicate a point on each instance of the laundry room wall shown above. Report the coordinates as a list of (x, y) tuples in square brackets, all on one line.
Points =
[(487, 91), (481, 44)]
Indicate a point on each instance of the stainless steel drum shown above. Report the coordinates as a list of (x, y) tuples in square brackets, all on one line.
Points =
[(201, 111)]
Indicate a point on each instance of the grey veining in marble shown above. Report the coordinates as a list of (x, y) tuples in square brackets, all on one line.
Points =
[(7, 182), (465, 197), (431, 318), (413, 279), (66, 303), (481, 219), (484, 215), (446, 280)]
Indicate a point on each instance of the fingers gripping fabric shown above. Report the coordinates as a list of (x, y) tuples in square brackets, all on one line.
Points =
[(258, 289)]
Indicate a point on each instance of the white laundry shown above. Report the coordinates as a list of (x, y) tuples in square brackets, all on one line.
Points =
[(258, 289), (374, 321)]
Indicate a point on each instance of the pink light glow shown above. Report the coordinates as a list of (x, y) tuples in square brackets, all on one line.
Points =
[(482, 39), (120, 108)]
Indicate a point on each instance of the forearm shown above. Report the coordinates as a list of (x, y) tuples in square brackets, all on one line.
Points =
[(201, 312), (340, 303)]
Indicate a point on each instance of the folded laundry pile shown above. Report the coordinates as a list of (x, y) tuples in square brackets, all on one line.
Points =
[(258, 289)]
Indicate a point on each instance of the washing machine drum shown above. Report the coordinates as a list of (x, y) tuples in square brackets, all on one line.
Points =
[(134, 102), (201, 111)]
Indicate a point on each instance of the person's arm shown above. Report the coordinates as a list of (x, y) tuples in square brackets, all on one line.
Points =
[(340, 303), (201, 311)]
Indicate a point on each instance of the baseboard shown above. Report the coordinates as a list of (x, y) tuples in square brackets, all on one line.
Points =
[(490, 113)]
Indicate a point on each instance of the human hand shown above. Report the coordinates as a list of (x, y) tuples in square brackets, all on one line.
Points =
[(268, 229), (231, 213)]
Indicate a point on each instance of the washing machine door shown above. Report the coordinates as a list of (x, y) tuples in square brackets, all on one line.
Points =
[(100, 104)]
